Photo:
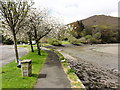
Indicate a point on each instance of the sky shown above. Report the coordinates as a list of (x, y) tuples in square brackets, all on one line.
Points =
[(73, 10)]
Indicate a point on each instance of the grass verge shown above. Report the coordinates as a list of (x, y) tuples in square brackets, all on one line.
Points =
[(75, 83), (12, 76), (65, 42)]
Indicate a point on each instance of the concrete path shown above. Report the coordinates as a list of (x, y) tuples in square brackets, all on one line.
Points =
[(52, 74)]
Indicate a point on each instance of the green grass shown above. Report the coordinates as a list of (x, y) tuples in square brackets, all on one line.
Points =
[(45, 44), (71, 75), (23, 46), (42, 44), (12, 76), (65, 42), (70, 71)]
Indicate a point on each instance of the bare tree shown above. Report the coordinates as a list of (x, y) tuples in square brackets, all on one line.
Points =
[(13, 13)]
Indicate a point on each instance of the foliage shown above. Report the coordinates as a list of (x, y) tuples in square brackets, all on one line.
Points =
[(83, 33), (91, 39), (70, 71), (97, 35), (88, 37), (102, 33), (65, 42), (55, 42), (73, 40)]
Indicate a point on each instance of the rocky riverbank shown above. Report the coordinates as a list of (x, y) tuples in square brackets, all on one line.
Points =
[(93, 77)]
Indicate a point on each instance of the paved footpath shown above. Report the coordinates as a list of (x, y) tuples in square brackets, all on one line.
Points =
[(52, 74)]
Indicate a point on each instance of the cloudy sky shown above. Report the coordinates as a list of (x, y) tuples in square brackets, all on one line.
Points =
[(72, 10)]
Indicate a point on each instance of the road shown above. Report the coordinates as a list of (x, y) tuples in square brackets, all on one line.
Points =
[(7, 53)]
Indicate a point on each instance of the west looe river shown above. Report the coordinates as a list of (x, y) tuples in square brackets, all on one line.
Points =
[(102, 55)]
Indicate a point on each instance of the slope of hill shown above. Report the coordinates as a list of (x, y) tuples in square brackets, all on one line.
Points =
[(99, 20), (106, 27)]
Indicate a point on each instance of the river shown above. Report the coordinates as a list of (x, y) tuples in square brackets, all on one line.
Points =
[(102, 55)]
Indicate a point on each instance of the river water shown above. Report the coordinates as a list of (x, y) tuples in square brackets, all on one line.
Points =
[(102, 55)]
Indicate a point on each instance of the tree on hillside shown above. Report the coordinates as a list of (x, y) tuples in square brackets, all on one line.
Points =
[(81, 28), (107, 34), (13, 13)]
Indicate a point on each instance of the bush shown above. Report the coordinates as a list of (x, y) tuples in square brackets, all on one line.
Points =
[(73, 40), (55, 42), (91, 39), (88, 37)]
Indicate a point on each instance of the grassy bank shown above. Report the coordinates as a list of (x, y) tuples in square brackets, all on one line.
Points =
[(12, 77)]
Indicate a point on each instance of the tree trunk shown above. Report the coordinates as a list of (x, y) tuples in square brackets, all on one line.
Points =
[(38, 47), (37, 41), (15, 46), (32, 50)]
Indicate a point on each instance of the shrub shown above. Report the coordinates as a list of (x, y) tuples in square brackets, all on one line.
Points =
[(97, 35), (93, 40), (88, 37), (73, 40), (55, 42)]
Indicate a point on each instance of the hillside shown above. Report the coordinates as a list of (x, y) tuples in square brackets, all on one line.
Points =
[(106, 27), (99, 20)]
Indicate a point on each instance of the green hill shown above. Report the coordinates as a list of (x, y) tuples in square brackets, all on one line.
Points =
[(104, 26)]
